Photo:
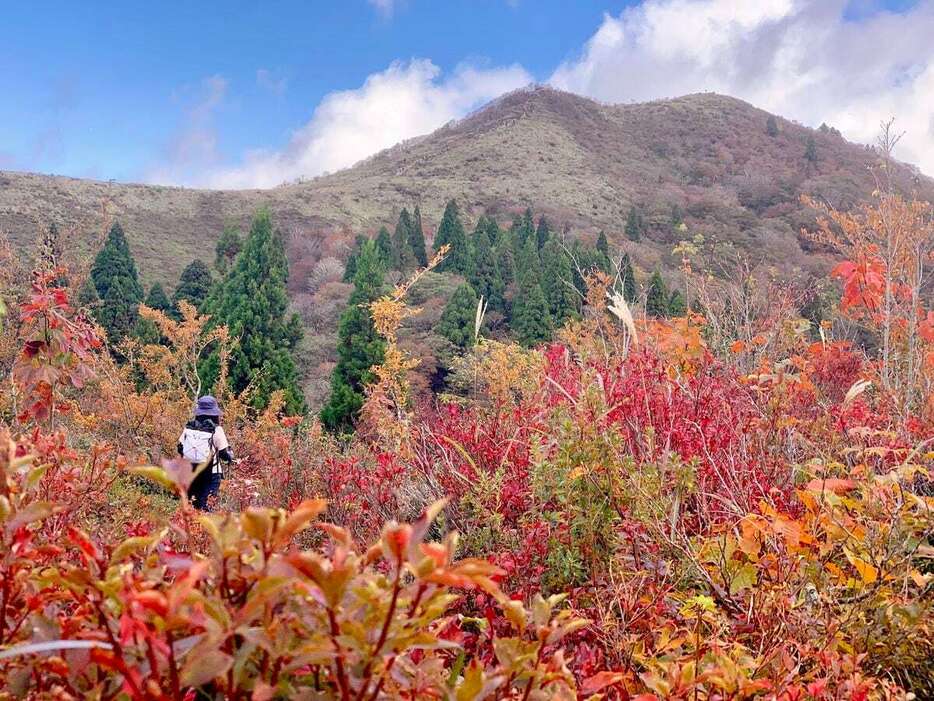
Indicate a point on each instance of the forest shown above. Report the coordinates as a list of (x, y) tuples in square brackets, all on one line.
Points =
[(617, 485)]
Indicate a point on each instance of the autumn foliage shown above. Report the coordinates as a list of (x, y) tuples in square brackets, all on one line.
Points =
[(643, 509)]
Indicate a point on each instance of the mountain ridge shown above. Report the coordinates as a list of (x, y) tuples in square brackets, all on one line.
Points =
[(582, 163)]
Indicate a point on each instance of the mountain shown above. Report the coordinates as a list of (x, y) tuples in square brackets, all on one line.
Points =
[(580, 162), (728, 170)]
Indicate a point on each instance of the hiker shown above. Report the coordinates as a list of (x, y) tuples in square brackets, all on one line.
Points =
[(204, 441)]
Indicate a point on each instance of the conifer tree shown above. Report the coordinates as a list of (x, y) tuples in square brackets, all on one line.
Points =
[(228, 248), (542, 233), (810, 150), (360, 346), (451, 232), (458, 317), (157, 299), (656, 300), (194, 285), (526, 226), (633, 225), (557, 280), (384, 249), (485, 277), (676, 305), (350, 267), (417, 239), (403, 257), (252, 303), (771, 126), (493, 231), (603, 245), (87, 295), (146, 330), (630, 293), (504, 253), (117, 284), (531, 321)]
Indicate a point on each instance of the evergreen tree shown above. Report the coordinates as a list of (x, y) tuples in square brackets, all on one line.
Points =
[(417, 239), (350, 267), (771, 126), (87, 295), (117, 283), (157, 299), (451, 232), (526, 227), (656, 300), (504, 253), (485, 277), (384, 249), (228, 248), (194, 285), (146, 330), (458, 317), (360, 346), (542, 233), (252, 303), (810, 150), (492, 230), (630, 294), (557, 281), (676, 304), (403, 257), (531, 322), (603, 245), (633, 225)]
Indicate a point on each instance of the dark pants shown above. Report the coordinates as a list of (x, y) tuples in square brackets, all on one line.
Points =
[(206, 485)]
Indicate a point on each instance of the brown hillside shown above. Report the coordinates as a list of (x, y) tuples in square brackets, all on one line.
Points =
[(580, 162)]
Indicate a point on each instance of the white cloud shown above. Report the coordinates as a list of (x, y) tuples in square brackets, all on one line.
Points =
[(804, 59), (403, 101), (193, 146)]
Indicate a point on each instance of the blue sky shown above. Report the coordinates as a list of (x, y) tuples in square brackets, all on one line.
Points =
[(244, 94)]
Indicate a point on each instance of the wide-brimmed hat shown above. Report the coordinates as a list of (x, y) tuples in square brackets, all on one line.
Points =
[(207, 406)]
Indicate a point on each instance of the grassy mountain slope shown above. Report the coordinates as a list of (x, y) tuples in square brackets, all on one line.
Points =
[(580, 162)]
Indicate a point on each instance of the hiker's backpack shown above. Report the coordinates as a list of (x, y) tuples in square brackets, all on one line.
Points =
[(198, 443)]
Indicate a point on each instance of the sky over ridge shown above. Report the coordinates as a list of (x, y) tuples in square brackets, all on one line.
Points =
[(210, 96)]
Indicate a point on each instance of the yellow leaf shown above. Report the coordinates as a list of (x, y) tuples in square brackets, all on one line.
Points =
[(866, 571)]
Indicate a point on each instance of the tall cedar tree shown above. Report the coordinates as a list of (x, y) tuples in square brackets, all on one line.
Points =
[(117, 284), (417, 239), (384, 248), (676, 305), (451, 233), (542, 233), (485, 277), (630, 293), (147, 331), (771, 126), (585, 260), (504, 251), (531, 320), (810, 150), (350, 267), (228, 248), (557, 282), (403, 257), (633, 225), (656, 299), (458, 318), (252, 303), (194, 285), (603, 245), (360, 346)]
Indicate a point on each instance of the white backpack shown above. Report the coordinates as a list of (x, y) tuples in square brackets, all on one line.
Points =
[(198, 446)]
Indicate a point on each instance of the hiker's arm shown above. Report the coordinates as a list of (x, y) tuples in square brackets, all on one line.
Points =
[(225, 454)]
